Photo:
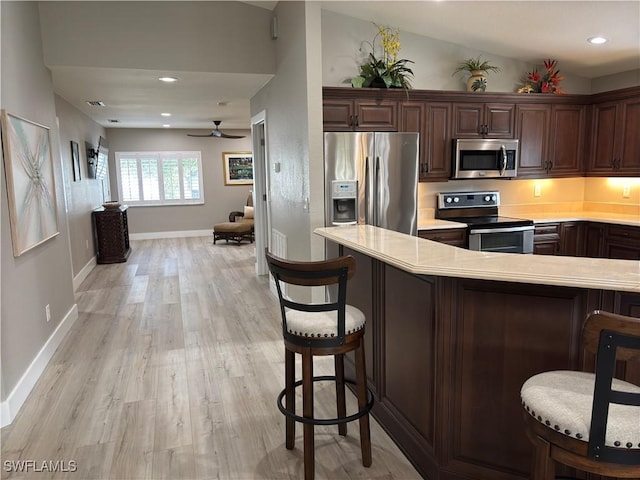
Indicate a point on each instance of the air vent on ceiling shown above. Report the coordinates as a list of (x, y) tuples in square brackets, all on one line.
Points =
[(96, 103), (113, 120)]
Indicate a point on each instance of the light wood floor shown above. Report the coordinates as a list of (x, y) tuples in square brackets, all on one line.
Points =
[(171, 372)]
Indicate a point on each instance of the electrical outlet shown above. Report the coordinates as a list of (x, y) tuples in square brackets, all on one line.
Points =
[(536, 189), (626, 191), (47, 311)]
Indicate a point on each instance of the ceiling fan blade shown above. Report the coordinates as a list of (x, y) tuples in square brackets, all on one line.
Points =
[(224, 135), (194, 135)]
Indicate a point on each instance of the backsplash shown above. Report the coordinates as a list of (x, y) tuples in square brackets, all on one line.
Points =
[(544, 195)]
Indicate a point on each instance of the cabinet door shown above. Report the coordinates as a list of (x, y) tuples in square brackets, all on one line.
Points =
[(412, 119), (532, 127), (622, 242), (603, 136), (594, 240), (571, 239), (498, 120), (629, 156), (376, 116), (438, 141), (467, 120), (567, 140), (337, 115), (546, 239)]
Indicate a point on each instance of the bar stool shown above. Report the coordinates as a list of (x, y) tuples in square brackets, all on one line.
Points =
[(590, 422), (330, 328)]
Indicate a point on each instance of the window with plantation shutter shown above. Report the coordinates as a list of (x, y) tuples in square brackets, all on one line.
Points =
[(159, 178)]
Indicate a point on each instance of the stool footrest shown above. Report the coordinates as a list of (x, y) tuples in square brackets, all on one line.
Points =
[(325, 421)]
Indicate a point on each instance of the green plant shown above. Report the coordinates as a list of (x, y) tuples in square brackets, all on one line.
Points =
[(479, 84), (387, 71), (475, 64)]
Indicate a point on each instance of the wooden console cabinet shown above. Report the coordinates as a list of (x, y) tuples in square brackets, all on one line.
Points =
[(111, 231)]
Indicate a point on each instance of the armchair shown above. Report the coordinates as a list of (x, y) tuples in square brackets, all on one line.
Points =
[(239, 227)]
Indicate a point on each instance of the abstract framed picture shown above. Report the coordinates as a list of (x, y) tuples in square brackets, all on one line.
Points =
[(28, 165), (238, 168), (75, 159)]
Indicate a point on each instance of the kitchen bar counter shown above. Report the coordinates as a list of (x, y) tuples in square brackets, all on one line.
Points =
[(424, 257), (452, 334)]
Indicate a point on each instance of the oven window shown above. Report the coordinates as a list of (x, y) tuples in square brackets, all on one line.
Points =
[(478, 160), (507, 242)]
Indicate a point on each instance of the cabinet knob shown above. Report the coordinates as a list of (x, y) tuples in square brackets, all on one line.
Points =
[(356, 121)]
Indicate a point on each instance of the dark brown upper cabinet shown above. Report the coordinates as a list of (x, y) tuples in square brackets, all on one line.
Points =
[(483, 120), (342, 115), (615, 141)]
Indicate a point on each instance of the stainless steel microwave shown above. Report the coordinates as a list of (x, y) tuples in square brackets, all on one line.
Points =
[(484, 158)]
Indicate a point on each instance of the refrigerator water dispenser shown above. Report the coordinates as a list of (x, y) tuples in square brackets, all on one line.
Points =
[(344, 198)]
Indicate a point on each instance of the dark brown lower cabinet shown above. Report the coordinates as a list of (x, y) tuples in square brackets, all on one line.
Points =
[(449, 356)]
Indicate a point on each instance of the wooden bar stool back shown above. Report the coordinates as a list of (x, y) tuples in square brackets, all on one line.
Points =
[(330, 328), (590, 422)]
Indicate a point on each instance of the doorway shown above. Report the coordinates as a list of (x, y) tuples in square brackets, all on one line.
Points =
[(260, 190)]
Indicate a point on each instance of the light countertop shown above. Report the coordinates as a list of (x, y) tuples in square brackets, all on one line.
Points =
[(424, 257), (584, 216)]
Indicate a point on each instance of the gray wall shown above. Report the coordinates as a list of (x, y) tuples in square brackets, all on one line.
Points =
[(219, 198), (285, 100), (86, 194), (210, 35), (42, 275)]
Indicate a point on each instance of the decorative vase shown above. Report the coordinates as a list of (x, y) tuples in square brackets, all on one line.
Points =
[(378, 83), (477, 82)]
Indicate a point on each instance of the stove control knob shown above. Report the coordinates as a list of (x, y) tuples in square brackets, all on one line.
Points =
[(456, 199), (494, 198), (487, 198), (449, 200)]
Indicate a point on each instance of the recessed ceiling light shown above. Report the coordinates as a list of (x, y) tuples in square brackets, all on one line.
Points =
[(168, 79), (166, 125), (165, 114), (597, 40)]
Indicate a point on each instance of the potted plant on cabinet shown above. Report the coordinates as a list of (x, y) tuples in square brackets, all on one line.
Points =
[(478, 68)]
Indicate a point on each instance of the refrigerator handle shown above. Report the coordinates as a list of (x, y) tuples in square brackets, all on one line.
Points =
[(366, 190), (376, 195)]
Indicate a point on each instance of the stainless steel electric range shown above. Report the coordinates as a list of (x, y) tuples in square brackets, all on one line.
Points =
[(487, 231)]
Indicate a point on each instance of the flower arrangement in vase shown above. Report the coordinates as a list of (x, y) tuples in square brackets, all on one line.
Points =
[(477, 67), (543, 82), (388, 71)]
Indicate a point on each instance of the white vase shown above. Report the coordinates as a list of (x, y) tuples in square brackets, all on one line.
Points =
[(477, 82)]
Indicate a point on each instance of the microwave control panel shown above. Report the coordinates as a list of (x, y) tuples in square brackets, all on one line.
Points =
[(468, 199)]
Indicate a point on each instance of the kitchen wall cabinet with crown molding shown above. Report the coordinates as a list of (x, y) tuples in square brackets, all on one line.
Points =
[(615, 141), (559, 136)]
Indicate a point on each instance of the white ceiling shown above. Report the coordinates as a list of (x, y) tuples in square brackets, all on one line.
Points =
[(527, 31)]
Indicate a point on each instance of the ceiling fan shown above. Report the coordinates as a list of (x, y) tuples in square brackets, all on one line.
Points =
[(216, 132)]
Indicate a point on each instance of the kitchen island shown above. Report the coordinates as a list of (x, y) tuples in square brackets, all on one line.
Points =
[(452, 334)]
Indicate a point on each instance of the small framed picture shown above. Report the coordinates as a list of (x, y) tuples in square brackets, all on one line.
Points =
[(238, 168), (75, 159)]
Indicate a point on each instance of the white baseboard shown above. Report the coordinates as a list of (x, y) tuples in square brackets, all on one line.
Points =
[(11, 406), (176, 234), (84, 273)]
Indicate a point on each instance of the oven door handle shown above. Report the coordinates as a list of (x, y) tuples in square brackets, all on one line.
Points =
[(501, 230)]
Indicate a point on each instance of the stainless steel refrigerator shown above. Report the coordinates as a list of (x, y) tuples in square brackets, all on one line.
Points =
[(372, 178)]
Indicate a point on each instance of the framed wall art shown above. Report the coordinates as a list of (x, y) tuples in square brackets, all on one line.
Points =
[(28, 165), (238, 168), (75, 159)]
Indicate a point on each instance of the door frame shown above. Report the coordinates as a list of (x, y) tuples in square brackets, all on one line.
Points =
[(260, 189)]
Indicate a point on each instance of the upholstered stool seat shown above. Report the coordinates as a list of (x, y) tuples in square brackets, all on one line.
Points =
[(319, 329), (563, 400), (588, 421), (236, 231)]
